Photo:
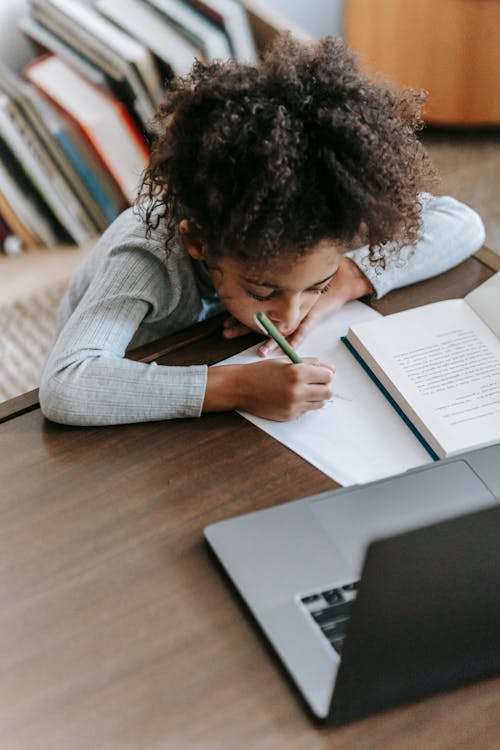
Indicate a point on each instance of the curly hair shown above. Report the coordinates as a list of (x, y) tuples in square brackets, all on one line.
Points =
[(276, 157)]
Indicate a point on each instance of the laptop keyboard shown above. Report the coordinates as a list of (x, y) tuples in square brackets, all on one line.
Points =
[(330, 610)]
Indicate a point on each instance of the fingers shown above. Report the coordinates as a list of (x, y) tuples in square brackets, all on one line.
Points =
[(316, 370), (268, 347), (281, 390), (317, 379), (323, 372), (315, 405), (316, 398), (319, 393), (232, 328), (319, 388), (305, 327)]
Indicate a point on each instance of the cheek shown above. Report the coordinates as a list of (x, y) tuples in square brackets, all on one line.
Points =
[(245, 310), (308, 301), (242, 307)]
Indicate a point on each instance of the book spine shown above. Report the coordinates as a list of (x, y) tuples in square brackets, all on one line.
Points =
[(14, 220), (390, 399), (48, 181), (94, 185), (10, 243)]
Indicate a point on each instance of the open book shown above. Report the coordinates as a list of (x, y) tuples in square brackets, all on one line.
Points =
[(440, 364), (357, 436)]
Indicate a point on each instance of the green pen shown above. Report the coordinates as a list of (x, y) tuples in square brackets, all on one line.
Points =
[(263, 321)]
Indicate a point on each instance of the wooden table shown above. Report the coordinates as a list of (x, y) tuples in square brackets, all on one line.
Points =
[(117, 628)]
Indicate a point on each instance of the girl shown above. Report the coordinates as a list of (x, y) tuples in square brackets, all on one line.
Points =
[(262, 180)]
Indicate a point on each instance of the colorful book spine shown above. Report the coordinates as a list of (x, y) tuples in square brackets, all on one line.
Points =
[(94, 185)]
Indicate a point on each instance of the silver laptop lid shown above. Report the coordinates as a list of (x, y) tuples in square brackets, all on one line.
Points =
[(426, 618), (275, 555)]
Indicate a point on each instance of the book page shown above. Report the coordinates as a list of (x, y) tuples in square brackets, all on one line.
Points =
[(485, 301), (358, 436), (441, 363)]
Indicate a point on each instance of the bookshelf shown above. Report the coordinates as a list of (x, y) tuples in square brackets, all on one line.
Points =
[(68, 189)]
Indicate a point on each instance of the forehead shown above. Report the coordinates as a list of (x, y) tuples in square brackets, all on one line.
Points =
[(292, 269)]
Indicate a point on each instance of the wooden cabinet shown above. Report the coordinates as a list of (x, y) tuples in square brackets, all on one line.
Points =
[(450, 48)]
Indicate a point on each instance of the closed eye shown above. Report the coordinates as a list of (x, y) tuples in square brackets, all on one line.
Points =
[(320, 290), (263, 298), (260, 297)]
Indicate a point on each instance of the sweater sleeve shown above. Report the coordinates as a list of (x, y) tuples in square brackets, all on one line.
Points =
[(87, 380), (451, 232)]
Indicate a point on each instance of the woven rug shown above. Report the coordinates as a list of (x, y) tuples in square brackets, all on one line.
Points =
[(26, 333)]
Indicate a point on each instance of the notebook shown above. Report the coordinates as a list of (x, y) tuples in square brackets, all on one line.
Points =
[(377, 594)]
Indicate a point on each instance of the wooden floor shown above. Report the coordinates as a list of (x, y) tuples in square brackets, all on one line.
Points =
[(468, 162), (26, 274)]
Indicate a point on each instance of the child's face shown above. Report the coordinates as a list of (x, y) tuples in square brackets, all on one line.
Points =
[(285, 291)]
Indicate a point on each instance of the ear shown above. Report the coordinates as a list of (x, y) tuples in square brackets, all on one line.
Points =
[(196, 248)]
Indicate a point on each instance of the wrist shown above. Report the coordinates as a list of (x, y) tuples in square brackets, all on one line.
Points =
[(354, 282), (222, 392)]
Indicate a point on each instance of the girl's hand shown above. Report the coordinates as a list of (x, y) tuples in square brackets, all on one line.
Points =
[(233, 328), (275, 389), (348, 283)]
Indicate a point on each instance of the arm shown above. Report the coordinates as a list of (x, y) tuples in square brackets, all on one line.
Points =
[(87, 380), (451, 232)]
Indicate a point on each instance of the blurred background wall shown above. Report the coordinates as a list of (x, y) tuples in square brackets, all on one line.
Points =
[(319, 17)]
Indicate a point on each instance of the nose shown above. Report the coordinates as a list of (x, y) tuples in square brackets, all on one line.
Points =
[(285, 313)]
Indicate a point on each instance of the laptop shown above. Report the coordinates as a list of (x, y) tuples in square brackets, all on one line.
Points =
[(377, 594)]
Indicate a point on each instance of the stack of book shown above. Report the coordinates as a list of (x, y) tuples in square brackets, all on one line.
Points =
[(75, 127)]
